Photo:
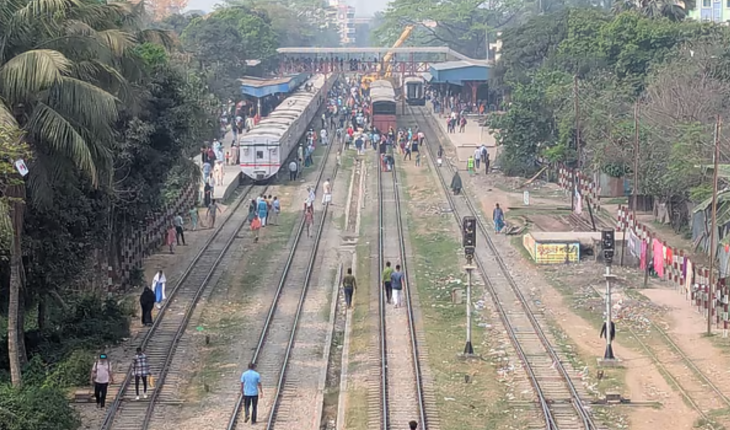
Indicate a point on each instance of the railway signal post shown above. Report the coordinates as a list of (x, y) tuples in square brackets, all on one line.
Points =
[(469, 241), (608, 245)]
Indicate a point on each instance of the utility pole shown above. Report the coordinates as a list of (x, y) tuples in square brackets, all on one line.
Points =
[(577, 142), (576, 108), (713, 226), (634, 189)]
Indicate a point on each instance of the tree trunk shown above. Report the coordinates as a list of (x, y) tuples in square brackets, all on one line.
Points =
[(16, 334), (41, 314), (14, 331)]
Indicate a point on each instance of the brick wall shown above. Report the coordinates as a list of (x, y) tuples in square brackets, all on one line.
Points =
[(135, 247)]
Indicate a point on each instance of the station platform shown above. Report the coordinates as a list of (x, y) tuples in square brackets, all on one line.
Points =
[(472, 137), (231, 175)]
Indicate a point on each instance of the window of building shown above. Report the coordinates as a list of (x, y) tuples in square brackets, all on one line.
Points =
[(727, 3), (706, 3)]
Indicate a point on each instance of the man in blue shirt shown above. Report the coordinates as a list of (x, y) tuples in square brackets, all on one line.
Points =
[(251, 388)]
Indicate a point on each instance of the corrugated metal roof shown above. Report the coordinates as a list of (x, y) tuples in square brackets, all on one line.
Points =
[(451, 65)]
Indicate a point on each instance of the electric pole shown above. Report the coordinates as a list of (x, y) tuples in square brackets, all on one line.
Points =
[(577, 142), (713, 226)]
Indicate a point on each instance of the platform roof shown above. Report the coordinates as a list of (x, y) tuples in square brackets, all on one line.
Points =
[(261, 87), (456, 72)]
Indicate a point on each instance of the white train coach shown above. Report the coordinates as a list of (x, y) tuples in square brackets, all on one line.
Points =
[(267, 146)]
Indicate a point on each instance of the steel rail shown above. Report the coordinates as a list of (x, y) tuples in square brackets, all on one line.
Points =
[(114, 407), (575, 398), (300, 306), (232, 422), (409, 303), (385, 417)]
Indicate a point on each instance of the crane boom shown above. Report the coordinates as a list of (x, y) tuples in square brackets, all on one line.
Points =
[(406, 33)]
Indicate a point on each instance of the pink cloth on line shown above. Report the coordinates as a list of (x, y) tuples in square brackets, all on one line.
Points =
[(644, 247), (658, 250)]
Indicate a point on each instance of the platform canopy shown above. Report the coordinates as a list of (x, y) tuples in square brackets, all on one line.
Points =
[(459, 72), (262, 87)]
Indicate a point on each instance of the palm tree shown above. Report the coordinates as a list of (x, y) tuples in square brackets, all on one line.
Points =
[(64, 68), (653, 8)]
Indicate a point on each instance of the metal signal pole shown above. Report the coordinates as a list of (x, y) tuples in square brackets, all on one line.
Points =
[(713, 227)]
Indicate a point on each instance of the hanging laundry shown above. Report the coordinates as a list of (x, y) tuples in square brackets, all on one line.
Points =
[(658, 250), (644, 250), (668, 256), (688, 275)]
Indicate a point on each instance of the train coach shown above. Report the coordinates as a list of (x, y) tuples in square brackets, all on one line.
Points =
[(414, 91), (266, 147), (382, 99)]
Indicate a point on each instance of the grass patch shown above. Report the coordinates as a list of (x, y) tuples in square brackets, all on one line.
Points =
[(357, 410), (436, 267)]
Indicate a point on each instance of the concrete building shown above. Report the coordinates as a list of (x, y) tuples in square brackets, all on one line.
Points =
[(343, 16), (711, 10)]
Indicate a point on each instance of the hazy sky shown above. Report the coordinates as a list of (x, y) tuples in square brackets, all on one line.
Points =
[(362, 7)]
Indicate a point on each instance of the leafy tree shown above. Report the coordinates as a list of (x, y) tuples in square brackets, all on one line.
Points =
[(296, 23), (529, 129), (652, 8), (461, 24), (224, 40), (63, 70)]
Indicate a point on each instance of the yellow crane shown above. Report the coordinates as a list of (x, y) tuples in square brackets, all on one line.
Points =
[(367, 79)]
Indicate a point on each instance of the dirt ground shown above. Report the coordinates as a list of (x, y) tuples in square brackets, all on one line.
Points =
[(643, 382)]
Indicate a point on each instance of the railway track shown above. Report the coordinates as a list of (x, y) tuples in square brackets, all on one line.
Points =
[(680, 369), (559, 402), (161, 340), (402, 398), (274, 350)]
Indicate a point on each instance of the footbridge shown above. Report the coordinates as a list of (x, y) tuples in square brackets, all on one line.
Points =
[(406, 61)]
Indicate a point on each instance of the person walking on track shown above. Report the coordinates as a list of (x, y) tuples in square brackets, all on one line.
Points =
[(308, 219), (179, 231), (141, 370), (327, 192), (396, 282), (213, 210), (252, 392), (349, 285), (498, 217), (147, 302), (255, 227), (387, 271), (413, 425), (101, 377)]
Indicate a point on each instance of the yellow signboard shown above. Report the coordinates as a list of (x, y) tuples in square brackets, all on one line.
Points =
[(556, 253)]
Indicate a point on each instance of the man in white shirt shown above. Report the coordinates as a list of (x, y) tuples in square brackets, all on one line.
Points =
[(327, 192), (477, 158), (293, 170), (323, 136)]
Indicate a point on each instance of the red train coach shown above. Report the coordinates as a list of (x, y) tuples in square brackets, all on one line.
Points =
[(382, 99)]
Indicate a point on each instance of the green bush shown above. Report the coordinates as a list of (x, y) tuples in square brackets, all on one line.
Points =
[(73, 371), (35, 408)]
